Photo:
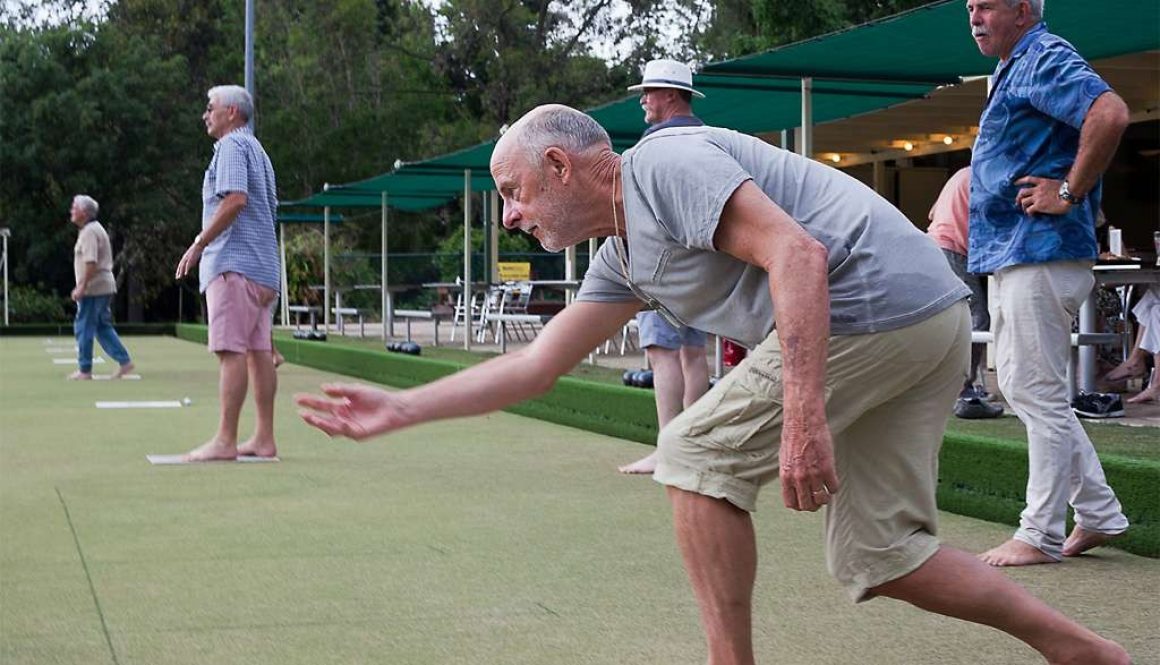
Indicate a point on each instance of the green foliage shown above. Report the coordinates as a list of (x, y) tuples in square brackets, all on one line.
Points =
[(449, 259), (742, 27), (105, 98), (28, 305)]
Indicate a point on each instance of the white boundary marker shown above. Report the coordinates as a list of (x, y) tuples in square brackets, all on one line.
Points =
[(158, 404), (162, 460)]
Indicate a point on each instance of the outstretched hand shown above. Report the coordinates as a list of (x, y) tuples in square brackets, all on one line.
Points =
[(355, 411), (808, 477)]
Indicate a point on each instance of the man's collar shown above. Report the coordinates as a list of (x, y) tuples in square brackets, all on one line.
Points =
[(245, 129), (1027, 39)]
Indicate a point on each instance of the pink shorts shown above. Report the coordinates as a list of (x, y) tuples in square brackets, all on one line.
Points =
[(240, 314)]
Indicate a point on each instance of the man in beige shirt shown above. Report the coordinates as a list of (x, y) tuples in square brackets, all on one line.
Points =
[(95, 287)]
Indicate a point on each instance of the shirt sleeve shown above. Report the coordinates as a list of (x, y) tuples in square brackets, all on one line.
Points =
[(686, 181), (232, 169), (1064, 85), (88, 246)]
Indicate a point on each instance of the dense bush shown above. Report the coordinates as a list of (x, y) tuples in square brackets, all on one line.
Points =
[(27, 305)]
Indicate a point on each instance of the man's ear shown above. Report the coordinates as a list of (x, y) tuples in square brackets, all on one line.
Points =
[(557, 163)]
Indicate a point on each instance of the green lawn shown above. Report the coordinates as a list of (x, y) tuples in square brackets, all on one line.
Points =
[(1108, 437), (491, 540)]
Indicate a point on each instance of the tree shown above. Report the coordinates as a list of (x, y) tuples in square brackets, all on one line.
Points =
[(90, 110), (742, 27)]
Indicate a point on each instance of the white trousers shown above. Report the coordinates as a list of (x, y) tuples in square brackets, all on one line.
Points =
[(1037, 303), (1147, 313)]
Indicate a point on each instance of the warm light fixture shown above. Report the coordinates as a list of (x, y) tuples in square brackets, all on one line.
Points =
[(908, 146), (835, 158), (948, 139)]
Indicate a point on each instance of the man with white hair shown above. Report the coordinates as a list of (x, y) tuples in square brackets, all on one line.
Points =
[(1048, 132), (94, 291), (676, 354), (846, 399), (239, 274)]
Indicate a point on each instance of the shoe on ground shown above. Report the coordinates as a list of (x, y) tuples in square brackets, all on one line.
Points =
[(977, 391), (1098, 405), (976, 408)]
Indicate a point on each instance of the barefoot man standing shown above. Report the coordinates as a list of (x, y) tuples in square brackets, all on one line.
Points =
[(239, 273)]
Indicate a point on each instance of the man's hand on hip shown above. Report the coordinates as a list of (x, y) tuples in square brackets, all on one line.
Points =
[(1040, 196)]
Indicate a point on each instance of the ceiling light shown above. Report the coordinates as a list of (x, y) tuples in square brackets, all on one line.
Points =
[(948, 139), (908, 146)]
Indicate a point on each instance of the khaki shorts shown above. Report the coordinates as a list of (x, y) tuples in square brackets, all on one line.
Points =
[(239, 314), (888, 396)]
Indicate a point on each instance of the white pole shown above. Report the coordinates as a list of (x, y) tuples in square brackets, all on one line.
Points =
[(326, 268), (285, 278), (249, 57), (4, 233), (806, 149), (493, 229), (388, 309), (467, 260)]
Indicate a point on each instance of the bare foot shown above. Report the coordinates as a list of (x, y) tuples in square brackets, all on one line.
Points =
[(123, 370), (253, 448), (1125, 370), (1081, 541), (1094, 650), (1015, 553), (1152, 394), (212, 451), (80, 376), (641, 466)]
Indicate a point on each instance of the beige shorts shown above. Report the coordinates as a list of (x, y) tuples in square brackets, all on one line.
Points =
[(888, 396), (239, 314)]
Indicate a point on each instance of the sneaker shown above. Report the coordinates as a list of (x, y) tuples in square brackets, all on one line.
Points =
[(1098, 405), (978, 391), (976, 408)]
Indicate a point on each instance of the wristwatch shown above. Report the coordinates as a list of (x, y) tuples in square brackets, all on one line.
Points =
[(1066, 195)]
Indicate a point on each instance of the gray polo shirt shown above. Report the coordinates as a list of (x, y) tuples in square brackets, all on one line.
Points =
[(883, 272)]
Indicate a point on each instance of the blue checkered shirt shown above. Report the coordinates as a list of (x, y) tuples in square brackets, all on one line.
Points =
[(1031, 127), (249, 245)]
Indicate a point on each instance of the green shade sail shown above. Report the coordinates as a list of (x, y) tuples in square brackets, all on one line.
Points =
[(856, 71)]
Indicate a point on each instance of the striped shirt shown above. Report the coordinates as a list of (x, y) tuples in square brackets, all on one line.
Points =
[(249, 245)]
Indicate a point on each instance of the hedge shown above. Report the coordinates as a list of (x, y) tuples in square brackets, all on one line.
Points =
[(978, 476)]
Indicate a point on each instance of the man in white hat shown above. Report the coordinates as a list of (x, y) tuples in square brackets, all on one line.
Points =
[(675, 354)]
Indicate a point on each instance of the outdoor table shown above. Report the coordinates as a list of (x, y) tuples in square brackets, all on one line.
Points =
[(1106, 275)]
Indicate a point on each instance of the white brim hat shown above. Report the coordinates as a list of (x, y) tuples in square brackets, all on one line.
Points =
[(667, 74)]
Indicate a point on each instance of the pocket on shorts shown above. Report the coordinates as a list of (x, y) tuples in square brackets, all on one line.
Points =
[(741, 411)]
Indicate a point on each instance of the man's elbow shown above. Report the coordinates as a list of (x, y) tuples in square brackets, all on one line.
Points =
[(1114, 113), (539, 375)]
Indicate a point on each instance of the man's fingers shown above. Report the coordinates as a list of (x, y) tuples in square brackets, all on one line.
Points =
[(314, 402)]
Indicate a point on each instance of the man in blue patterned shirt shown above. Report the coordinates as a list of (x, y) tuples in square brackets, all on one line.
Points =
[(240, 272), (1048, 132)]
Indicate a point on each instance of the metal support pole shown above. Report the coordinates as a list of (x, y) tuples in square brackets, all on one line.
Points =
[(493, 232), (285, 312), (388, 307), (467, 322), (4, 233), (806, 149), (326, 267), (249, 64)]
